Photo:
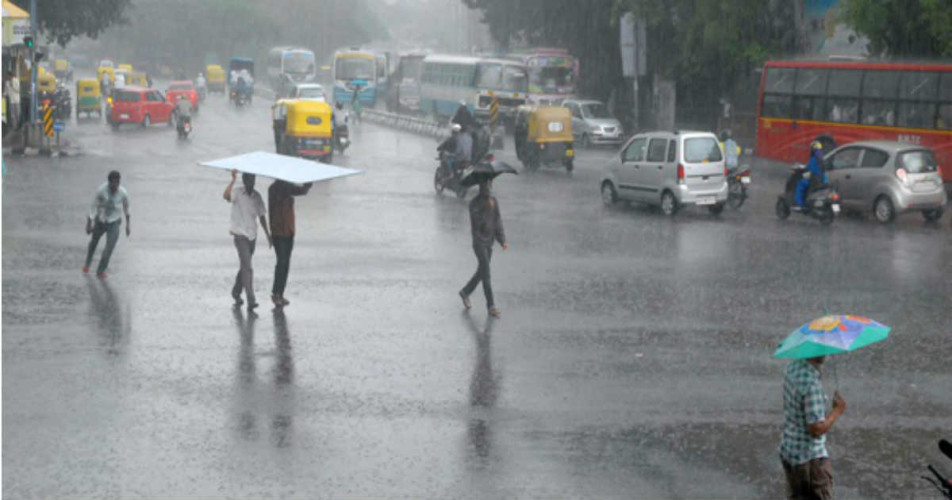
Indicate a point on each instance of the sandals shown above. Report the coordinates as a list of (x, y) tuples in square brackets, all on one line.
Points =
[(466, 303)]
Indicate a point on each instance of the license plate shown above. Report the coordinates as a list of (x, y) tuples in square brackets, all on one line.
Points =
[(745, 180), (706, 200), (836, 208), (123, 116)]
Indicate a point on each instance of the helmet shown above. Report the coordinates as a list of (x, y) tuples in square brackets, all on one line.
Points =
[(462, 102), (816, 146), (456, 127)]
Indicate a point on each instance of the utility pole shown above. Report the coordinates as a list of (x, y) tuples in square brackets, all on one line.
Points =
[(33, 62)]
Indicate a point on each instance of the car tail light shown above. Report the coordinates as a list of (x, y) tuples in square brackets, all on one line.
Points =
[(680, 173), (726, 172), (490, 158), (835, 197), (901, 173), (938, 170)]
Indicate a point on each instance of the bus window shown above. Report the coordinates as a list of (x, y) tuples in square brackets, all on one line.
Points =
[(845, 82), (779, 81), (776, 106), (811, 81), (916, 114), (919, 86), (490, 76), (881, 84), (515, 79), (943, 119), (879, 112), (945, 90)]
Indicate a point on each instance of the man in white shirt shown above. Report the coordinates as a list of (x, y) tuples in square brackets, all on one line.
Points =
[(246, 206), (12, 91), (105, 217)]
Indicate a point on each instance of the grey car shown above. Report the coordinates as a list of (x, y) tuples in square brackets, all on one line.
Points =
[(887, 178), (592, 123)]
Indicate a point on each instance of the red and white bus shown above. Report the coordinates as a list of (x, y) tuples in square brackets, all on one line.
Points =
[(853, 101)]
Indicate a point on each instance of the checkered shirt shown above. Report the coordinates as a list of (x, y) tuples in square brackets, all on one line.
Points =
[(804, 403)]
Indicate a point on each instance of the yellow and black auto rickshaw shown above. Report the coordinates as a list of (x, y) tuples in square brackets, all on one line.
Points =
[(62, 71), (88, 97), (303, 128), (215, 77), (543, 137), (45, 84)]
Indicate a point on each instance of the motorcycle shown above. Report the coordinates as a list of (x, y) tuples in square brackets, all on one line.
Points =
[(341, 138), (447, 177), (63, 103), (202, 93), (943, 484), (737, 182), (822, 203), (183, 126)]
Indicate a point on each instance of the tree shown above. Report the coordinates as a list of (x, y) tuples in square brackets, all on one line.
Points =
[(903, 28), (62, 20)]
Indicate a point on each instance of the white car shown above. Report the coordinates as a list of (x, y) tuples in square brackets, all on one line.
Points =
[(309, 91), (670, 170)]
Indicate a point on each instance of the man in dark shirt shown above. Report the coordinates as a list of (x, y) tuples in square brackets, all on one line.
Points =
[(486, 227), (281, 211)]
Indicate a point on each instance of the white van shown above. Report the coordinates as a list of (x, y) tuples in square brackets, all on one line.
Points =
[(670, 170)]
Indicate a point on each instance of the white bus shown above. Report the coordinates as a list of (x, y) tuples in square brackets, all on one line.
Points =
[(448, 80), (288, 66)]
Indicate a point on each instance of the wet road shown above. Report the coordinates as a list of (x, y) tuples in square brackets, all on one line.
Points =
[(632, 359)]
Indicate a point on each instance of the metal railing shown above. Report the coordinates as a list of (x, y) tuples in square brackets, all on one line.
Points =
[(413, 124)]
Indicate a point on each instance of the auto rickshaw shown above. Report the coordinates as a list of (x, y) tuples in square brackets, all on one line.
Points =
[(238, 93), (45, 83), (543, 137), (215, 78), (137, 79), (304, 128), (88, 97), (127, 67), (62, 70)]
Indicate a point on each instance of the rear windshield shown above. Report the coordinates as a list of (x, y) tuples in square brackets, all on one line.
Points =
[(918, 162), (128, 97), (701, 149), (180, 86)]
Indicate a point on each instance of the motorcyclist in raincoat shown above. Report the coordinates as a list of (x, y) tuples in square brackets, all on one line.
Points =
[(815, 169)]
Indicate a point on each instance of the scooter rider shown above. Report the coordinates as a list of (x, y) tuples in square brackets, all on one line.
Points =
[(814, 169), (464, 118), (200, 84), (449, 147), (183, 110)]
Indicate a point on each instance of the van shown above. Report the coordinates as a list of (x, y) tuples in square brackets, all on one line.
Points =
[(670, 170)]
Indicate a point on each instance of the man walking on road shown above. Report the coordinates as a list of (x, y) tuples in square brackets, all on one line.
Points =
[(247, 208), (281, 212), (11, 89), (486, 227), (105, 217), (803, 454)]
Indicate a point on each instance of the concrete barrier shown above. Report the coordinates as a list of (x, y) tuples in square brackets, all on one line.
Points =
[(412, 124)]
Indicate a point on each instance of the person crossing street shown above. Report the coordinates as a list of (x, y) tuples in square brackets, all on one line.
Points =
[(105, 217), (486, 228), (247, 208)]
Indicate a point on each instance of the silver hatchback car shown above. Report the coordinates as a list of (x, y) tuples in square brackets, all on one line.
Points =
[(888, 178), (668, 169)]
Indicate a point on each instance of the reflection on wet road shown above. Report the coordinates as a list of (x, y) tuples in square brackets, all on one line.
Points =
[(633, 358)]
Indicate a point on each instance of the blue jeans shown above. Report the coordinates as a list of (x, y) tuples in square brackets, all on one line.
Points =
[(111, 230), (801, 193)]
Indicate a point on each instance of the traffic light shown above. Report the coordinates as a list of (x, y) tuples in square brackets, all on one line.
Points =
[(28, 41)]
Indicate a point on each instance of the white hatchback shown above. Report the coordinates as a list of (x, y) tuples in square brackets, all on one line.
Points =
[(670, 170)]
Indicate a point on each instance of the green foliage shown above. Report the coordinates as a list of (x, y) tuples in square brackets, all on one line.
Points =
[(62, 20), (903, 28)]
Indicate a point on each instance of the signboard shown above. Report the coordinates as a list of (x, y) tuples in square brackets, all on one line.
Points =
[(59, 126), (634, 57), (14, 30)]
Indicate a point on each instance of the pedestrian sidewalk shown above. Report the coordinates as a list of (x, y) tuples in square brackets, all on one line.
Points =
[(13, 146)]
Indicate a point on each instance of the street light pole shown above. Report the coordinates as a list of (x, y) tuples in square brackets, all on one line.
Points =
[(33, 62)]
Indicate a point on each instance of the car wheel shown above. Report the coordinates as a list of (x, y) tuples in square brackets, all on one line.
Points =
[(146, 121), (716, 209), (883, 209), (932, 215), (782, 209), (609, 195), (669, 204), (586, 141)]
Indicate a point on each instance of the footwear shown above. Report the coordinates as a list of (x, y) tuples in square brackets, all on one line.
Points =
[(252, 306), (494, 312), (238, 301), (101, 275), (285, 301), (276, 299), (466, 303), (85, 269)]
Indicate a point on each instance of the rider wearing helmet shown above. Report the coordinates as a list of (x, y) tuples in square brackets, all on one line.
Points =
[(814, 169), (449, 147)]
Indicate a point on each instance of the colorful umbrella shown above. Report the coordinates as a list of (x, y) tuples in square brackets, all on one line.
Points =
[(831, 335)]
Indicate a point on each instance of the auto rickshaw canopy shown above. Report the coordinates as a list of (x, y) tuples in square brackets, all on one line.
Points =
[(88, 88), (61, 65), (46, 82), (306, 118), (137, 78), (546, 123), (215, 73), (105, 69)]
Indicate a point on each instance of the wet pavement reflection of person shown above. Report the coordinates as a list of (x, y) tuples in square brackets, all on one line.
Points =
[(109, 314), (249, 399), (483, 391)]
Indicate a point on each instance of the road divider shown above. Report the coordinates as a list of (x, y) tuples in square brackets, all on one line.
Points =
[(413, 124)]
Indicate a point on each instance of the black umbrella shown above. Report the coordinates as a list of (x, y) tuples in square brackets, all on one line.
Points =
[(485, 171)]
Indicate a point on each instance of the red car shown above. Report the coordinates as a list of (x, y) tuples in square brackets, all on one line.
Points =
[(180, 87), (139, 105)]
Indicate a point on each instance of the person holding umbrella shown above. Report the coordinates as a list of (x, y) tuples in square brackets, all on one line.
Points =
[(486, 227), (803, 452)]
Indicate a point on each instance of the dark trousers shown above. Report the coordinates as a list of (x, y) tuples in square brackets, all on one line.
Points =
[(245, 278), (283, 245), (483, 255), (111, 230), (809, 481)]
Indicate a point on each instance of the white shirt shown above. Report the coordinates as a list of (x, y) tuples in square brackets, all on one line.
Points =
[(107, 206), (245, 211), (13, 91)]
